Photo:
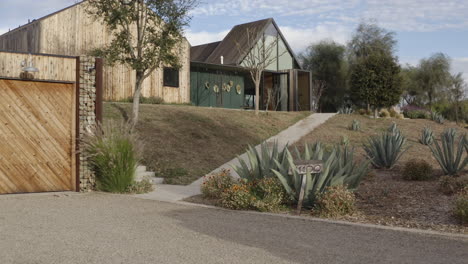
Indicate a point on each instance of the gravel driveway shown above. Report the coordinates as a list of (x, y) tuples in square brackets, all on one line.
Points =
[(101, 228)]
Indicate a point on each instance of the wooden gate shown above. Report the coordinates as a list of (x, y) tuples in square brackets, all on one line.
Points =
[(37, 136)]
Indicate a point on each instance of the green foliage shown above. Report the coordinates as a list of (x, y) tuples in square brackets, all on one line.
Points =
[(261, 163), (417, 170), (450, 184), (433, 75), (326, 60), (335, 201), (427, 136), (450, 154), (214, 185), (461, 206), (345, 110), (339, 167), (113, 152), (145, 100), (417, 114), (386, 149), (144, 186), (355, 126), (375, 81)]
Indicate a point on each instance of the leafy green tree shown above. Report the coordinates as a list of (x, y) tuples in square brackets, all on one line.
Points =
[(326, 60), (375, 79), (434, 77), (457, 93), (412, 92), (147, 34)]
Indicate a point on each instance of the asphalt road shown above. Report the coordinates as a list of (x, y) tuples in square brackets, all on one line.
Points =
[(100, 228)]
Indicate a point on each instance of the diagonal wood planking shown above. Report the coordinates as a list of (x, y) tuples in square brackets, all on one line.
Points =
[(36, 136)]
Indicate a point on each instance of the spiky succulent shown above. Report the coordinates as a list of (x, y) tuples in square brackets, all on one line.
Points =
[(386, 149), (355, 126), (427, 136), (450, 154)]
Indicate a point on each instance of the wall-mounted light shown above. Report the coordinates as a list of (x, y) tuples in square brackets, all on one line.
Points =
[(27, 66)]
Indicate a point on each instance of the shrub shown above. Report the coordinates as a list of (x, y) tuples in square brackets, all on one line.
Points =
[(213, 185), (393, 113), (335, 201), (362, 111), (386, 149), (449, 154), (237, 197), (417, 114), (261, 164), (450, 185), (384, 113), (355, 126), (400, 116), (113, 152), (427, 136), (461, 206), (144, 186), (417, 170), (339, 167), (270, 195)]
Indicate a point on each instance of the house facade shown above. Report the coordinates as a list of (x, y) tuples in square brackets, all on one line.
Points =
[(73, 32), (219, 77)]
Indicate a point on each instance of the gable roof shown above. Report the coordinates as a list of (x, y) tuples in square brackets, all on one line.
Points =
[(202, 52), (228, 47)]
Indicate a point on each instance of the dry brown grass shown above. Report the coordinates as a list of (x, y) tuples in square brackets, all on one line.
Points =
[(183, 143)]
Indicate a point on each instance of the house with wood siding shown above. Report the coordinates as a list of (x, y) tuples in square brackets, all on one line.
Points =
[(219, 77), (73, 32)]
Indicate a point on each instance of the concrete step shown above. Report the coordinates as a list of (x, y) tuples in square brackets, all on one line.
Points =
[(141, 169), (157, 180)]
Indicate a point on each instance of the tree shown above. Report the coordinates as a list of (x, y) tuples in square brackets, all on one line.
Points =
[(412, 92), (326, 60), (258, 59), (433, 76), (375, 81), (374, 70), (457, 92), (146, 35)]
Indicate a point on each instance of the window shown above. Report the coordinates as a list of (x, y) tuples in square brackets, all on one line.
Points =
[(171, 77)]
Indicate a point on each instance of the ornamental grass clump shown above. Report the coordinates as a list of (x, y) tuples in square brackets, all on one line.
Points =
[(450, 154), (113, 151), (335, 201), (427, 137), (386, 149), (345, 110), (214, 185)]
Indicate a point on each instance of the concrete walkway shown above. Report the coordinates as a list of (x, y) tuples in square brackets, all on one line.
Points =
[(173, 193)]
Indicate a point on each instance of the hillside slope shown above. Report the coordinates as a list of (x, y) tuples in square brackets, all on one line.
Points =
[(183, 143)]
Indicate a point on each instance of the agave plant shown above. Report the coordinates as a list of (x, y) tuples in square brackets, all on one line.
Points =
[(437, 117), (260, 164), (355, 126), (393, 129), (427, 136), (449, 154), (386, 149), (339, 168), (345, 110)]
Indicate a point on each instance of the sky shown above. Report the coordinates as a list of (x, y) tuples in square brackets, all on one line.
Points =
[(422, 27)]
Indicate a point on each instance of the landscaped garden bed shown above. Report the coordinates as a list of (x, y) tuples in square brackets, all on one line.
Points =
[(412, 193)]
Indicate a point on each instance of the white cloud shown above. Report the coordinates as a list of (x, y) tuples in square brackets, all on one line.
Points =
[(203, 37), (401, 15), (299, 39)]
